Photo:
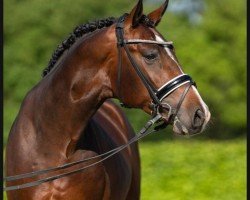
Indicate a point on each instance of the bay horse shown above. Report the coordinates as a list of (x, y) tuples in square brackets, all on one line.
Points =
[(68, 115)]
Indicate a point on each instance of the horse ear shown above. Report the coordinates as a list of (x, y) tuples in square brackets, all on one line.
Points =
[(135, 15), (156, 15)]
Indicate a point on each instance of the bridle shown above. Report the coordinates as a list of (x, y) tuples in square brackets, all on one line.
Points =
[(157, 96)]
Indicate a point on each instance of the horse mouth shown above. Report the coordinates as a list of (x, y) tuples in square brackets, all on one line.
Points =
[(179, 128), (170, 117)]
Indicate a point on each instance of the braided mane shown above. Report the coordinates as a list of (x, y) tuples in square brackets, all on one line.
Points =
[(78, 32), (81, 30)]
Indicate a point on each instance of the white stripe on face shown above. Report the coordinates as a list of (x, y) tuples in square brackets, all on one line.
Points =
[(159, 39), (204, 107)]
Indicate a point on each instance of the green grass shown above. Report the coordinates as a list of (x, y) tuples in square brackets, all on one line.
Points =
[(194, 170), (188, 169)]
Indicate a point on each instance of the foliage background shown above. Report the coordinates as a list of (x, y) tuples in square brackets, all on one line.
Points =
[(212, 49)]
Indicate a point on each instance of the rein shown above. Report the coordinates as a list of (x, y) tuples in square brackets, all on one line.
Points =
[(157, 96), (144, 132)]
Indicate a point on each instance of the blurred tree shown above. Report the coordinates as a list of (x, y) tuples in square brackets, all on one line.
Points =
[(225, 30)]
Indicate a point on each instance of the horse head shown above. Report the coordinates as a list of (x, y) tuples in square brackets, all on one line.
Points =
[(149, 76)]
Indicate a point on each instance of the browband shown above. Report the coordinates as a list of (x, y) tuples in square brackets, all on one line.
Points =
[(137, 41)]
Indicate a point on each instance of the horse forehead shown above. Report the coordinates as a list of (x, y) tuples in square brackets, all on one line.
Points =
[(155, 33), (158, 36), (143, 32)]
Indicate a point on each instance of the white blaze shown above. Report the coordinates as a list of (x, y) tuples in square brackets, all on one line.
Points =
[(159, 39), (203, 105)]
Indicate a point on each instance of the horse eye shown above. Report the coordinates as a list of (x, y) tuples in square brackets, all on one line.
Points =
[(151, 56)]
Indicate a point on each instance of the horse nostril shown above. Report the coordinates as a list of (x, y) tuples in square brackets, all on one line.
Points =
[(199, 118)]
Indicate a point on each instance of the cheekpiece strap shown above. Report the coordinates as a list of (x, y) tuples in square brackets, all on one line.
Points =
[(119, 30)]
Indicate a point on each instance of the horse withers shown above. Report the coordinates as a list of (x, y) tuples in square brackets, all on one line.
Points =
[(67, 116)]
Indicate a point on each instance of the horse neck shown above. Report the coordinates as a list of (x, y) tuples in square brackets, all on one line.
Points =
[(70, 94)]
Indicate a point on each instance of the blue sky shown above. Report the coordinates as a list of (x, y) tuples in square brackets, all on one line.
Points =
[(192, 8)]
